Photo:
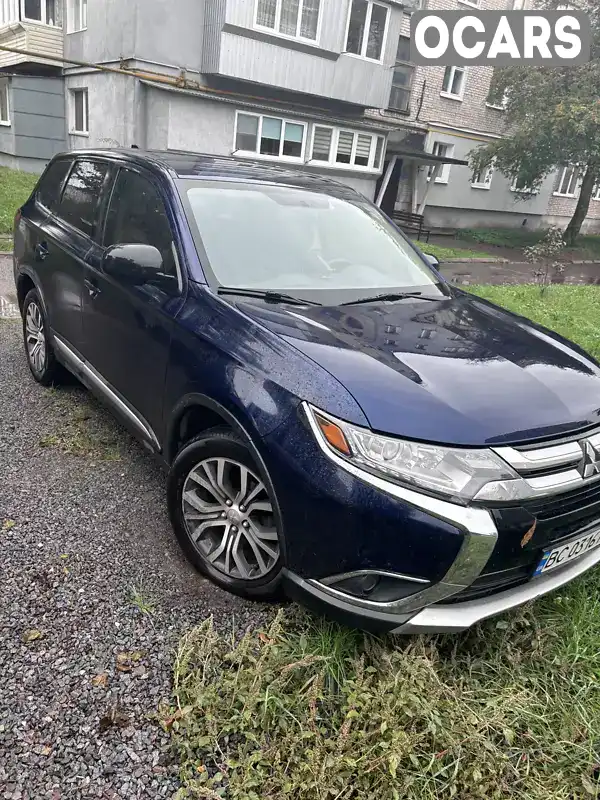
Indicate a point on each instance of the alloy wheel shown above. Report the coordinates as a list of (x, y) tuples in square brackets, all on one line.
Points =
[(35, 337), (229, 518)]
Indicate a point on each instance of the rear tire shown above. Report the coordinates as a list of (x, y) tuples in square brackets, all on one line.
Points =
[(38, 349), (237, 545)]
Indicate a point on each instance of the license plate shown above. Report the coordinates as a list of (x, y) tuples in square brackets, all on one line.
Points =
[(559, 556)]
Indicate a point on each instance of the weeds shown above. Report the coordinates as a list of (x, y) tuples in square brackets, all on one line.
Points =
[(142, 601), (505, 711), (82, 433)]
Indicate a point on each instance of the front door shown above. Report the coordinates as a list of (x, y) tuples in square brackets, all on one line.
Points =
[(127, 329)]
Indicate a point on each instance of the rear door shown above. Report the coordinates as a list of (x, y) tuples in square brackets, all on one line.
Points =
[(128, 329), (31, 236), (69, 233)]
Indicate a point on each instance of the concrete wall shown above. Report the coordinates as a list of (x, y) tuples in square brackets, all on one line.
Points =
[(113, 110), (183, 122)]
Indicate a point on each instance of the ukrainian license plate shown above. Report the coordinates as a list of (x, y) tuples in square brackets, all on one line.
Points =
[(559, 556)]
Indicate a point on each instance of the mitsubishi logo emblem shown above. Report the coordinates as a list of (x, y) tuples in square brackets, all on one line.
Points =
[(591, 461)]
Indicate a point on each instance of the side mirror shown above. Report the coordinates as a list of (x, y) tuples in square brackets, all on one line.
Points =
[(431, 260), (134, 264)]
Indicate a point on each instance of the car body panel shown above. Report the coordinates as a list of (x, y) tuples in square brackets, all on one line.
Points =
[(458, 371)]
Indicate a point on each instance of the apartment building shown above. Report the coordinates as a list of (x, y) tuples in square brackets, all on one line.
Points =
[(454, 107), (321, 85)]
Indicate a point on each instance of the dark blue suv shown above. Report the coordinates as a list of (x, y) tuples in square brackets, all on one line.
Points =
[(337, 421)]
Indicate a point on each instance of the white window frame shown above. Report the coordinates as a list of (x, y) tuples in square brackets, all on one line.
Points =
[(72, 116), (576, 176), (518, 5), (596, 192), (275, 29), (443, 175), (4, 87), (70, 11), (472, 3), (333, 148), (44, 14), (365, 42), (486, 183), (459, 97), (263, 156)]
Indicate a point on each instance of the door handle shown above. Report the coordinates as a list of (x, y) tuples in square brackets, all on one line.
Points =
[(93, 290), (41, 251)]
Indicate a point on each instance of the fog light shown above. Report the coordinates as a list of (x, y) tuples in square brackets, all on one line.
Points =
[(380, 587)]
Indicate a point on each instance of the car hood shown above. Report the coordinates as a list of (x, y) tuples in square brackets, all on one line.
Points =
[(458, 371)]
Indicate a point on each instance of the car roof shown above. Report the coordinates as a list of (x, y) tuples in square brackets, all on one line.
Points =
[(182, 164)]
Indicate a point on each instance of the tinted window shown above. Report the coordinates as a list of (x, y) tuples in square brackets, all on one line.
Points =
[(137, 216), (48, 192), (81, 196)]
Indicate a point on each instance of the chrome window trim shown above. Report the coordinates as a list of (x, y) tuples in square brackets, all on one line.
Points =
[(478, 543), (88, 373)]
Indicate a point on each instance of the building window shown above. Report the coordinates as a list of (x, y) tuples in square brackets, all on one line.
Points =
[(47, 12), (443, 173), (596, 192), (472, 3), (79, 111), (402, 81), (271, 137), (520, 186), (567, 184), (454, 81), (298, 19), (367, 28), (4, 106), (483, 178), (349, 149), (518, 5), (76, 15)]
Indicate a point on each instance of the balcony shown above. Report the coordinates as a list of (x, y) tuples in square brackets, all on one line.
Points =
[(33, 25), (305, 47)]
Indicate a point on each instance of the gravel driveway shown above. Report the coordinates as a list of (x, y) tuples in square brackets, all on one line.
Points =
[(94, 593)]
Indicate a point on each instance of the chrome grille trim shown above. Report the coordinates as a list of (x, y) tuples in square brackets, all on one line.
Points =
[(544, 458)]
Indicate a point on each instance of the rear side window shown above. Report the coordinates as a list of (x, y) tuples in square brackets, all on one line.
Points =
[(81, 196), (137, 215), (48, 191)]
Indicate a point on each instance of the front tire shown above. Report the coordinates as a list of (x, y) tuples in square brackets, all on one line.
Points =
[(225, 516), (40, 355)]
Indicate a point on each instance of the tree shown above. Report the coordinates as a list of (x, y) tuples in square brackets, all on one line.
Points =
[(552, 119)]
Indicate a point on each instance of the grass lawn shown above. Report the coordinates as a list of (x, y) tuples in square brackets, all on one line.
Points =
[(15, 188), (443, 253), (313, 711), (588, 246)]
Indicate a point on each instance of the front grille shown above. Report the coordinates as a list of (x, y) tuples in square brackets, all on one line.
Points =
[(558, 518)]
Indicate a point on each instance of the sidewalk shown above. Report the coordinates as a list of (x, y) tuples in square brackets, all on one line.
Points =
[(467, 273)]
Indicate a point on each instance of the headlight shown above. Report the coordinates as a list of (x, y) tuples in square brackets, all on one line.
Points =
[(458, 473)]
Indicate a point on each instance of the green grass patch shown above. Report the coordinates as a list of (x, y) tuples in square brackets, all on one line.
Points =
[(572, 311), (588, 245), (15, 188), (310, 710), (443, 253)]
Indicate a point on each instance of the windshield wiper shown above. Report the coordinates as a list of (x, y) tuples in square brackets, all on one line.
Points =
[(269, 296), (391, 296)]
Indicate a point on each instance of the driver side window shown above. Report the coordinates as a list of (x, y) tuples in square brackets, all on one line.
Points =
[(137, 215)]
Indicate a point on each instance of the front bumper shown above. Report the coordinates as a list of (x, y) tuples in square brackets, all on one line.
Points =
[(437, 618), (438, 605)]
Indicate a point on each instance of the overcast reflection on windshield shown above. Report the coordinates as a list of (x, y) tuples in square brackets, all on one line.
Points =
[(271, 237)]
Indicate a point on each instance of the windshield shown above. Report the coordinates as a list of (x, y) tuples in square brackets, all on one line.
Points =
[(269, 237)]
